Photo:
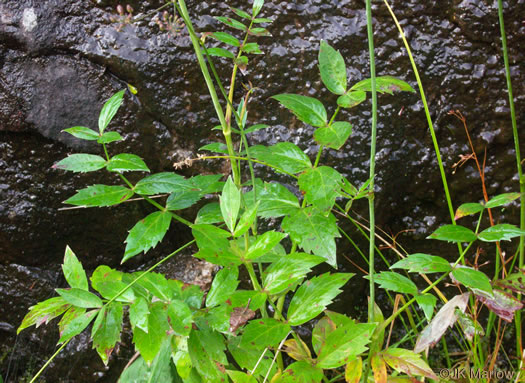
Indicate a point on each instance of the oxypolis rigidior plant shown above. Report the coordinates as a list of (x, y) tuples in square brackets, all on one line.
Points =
[(184, 334)]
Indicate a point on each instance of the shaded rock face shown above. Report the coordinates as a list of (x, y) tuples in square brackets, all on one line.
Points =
[(60, 60)]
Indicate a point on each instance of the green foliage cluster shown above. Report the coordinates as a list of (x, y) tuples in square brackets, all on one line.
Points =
[(183, 334)]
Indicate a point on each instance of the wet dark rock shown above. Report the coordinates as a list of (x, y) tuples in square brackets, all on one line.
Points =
[(59, 62)]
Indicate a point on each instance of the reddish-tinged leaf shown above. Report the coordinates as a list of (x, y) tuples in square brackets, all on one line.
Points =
[(445, 318), (43, 312), (379, 368), (502, 304), (468, 209), (408, 362), (353, 370), (297, 351), (514, 282)]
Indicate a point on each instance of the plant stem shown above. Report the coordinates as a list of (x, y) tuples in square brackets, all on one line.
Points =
[(371, 241), (518, 163), (371, 254), (49, 361), (427, 113), (226, 129)]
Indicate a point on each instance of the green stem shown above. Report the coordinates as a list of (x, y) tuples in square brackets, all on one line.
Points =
[(427, 113), (226, 129), (371, 253), (518, 164), (49, 361), (371, 211)]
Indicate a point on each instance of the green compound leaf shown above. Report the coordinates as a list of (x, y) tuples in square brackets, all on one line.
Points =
[(332, 68), (72, 313), (473, 279), (83, 133), (344, 344), (182, 199), (100, 195), (109, 284), (307, 109), (264, 332), (248, 358), (427, 302), (453, 233), (230, 202), (106, 330), (240, 377), (423, 263), (157, 285), (395, 282), (232, 23), (159, 371), (214, 246), (209, 213), (384, 84), (206, 350), (322, 329), (43, 312), (301, 372), (180, 318), (161, 183), (109, 110), (126, 162), (223, 286), (226, 38), (109, 137), (246, 221), (220, 52), (502, 199), (313, 296), (255, 128), (252, 48), (241, 13), (147, 233), (73, 271), (77, 325), (351, 99), (322, 186), (81, 163), (468, 209), (408, 362), (206, 184), (257, 6), (80, 298), (263, 244), (313, 232), (284, 155), (501, 232), (287, 271), (334, 135), (139, 314), (274, 200), (150, 342)]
